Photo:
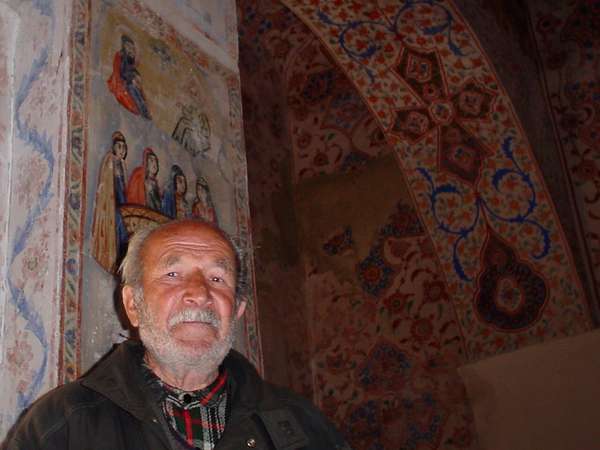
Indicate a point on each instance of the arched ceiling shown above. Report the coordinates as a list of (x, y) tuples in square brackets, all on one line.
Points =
[(454, 251), (416, 70), (331, 128)]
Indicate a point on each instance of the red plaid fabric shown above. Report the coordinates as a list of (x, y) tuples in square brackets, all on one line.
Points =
[(197, 418)]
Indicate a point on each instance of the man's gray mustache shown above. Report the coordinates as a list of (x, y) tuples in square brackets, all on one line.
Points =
[(195, 315)]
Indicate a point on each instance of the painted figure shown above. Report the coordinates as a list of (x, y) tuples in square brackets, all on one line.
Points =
[(142, 188), (174, 203), (192, 131), (109, 235), (203, 207), (125, 81)]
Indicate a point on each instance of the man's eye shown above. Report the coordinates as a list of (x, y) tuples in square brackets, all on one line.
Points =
[(172, 274), (216, 279)]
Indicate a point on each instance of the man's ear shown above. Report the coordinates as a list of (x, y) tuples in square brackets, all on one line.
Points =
[(128, 295), (241, 308)]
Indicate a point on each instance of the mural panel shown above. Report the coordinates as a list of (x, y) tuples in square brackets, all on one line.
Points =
[(157, 136), (213, 19)]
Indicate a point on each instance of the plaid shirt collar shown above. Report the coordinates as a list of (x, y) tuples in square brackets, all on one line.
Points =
[(196, 419), (209, 396)]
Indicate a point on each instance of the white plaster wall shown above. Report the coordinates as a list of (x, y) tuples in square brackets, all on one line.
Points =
[(34, 69), (9, 22)]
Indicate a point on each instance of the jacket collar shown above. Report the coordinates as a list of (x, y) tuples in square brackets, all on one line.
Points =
[(119, 377)]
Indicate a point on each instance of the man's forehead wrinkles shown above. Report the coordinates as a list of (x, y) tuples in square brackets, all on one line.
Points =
[(194, 243), (173, 252)]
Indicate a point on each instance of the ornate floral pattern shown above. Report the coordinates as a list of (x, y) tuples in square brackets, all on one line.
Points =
[(32, 147), (467, 160), (567, 39), (427, 288), (347, 321)]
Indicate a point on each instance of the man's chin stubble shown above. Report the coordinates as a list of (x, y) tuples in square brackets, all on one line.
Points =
[(167, 353)]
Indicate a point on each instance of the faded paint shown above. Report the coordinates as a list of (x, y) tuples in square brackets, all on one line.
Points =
[(33, 236)]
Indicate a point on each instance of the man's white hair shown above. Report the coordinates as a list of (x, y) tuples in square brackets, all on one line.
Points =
[(132, 266)]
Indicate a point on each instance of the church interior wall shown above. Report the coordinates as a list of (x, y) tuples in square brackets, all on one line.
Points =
[(419, 182)]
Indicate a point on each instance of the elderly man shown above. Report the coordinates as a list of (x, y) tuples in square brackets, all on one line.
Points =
[(182, 387)]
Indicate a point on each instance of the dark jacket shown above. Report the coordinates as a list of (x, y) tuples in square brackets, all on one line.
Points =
[(112, 408)]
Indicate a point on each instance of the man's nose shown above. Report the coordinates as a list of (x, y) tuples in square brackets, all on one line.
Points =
[(196, 289)]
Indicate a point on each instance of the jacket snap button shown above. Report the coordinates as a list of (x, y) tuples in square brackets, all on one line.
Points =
[(251, 442)]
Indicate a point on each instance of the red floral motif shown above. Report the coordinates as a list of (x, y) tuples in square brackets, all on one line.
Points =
[(376, 138), (362, 425), (548, 24), (304, 140), (398, 247), (583, 26), (298, 107), (330, 404), (396, 303), (413, 124), (19, 356), (386, 369), (371, 274), (511, 295), (586, 170), (320, 159), (337, 362), (471, 103), (318, 86), (434, 291), (442, 112), (340, 243), (422, 329), (460, 152)]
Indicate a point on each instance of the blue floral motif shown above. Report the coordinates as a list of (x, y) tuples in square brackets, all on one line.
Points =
[(374, 274), (482, 208), (422, 432), (41, 144), (392, 26)]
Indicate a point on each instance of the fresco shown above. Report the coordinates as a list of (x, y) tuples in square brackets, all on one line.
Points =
[(213, 20), (469, 166), (380, 245), (34, 77), (153, 110), (328, 199), (567, 39), (155, 136)]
